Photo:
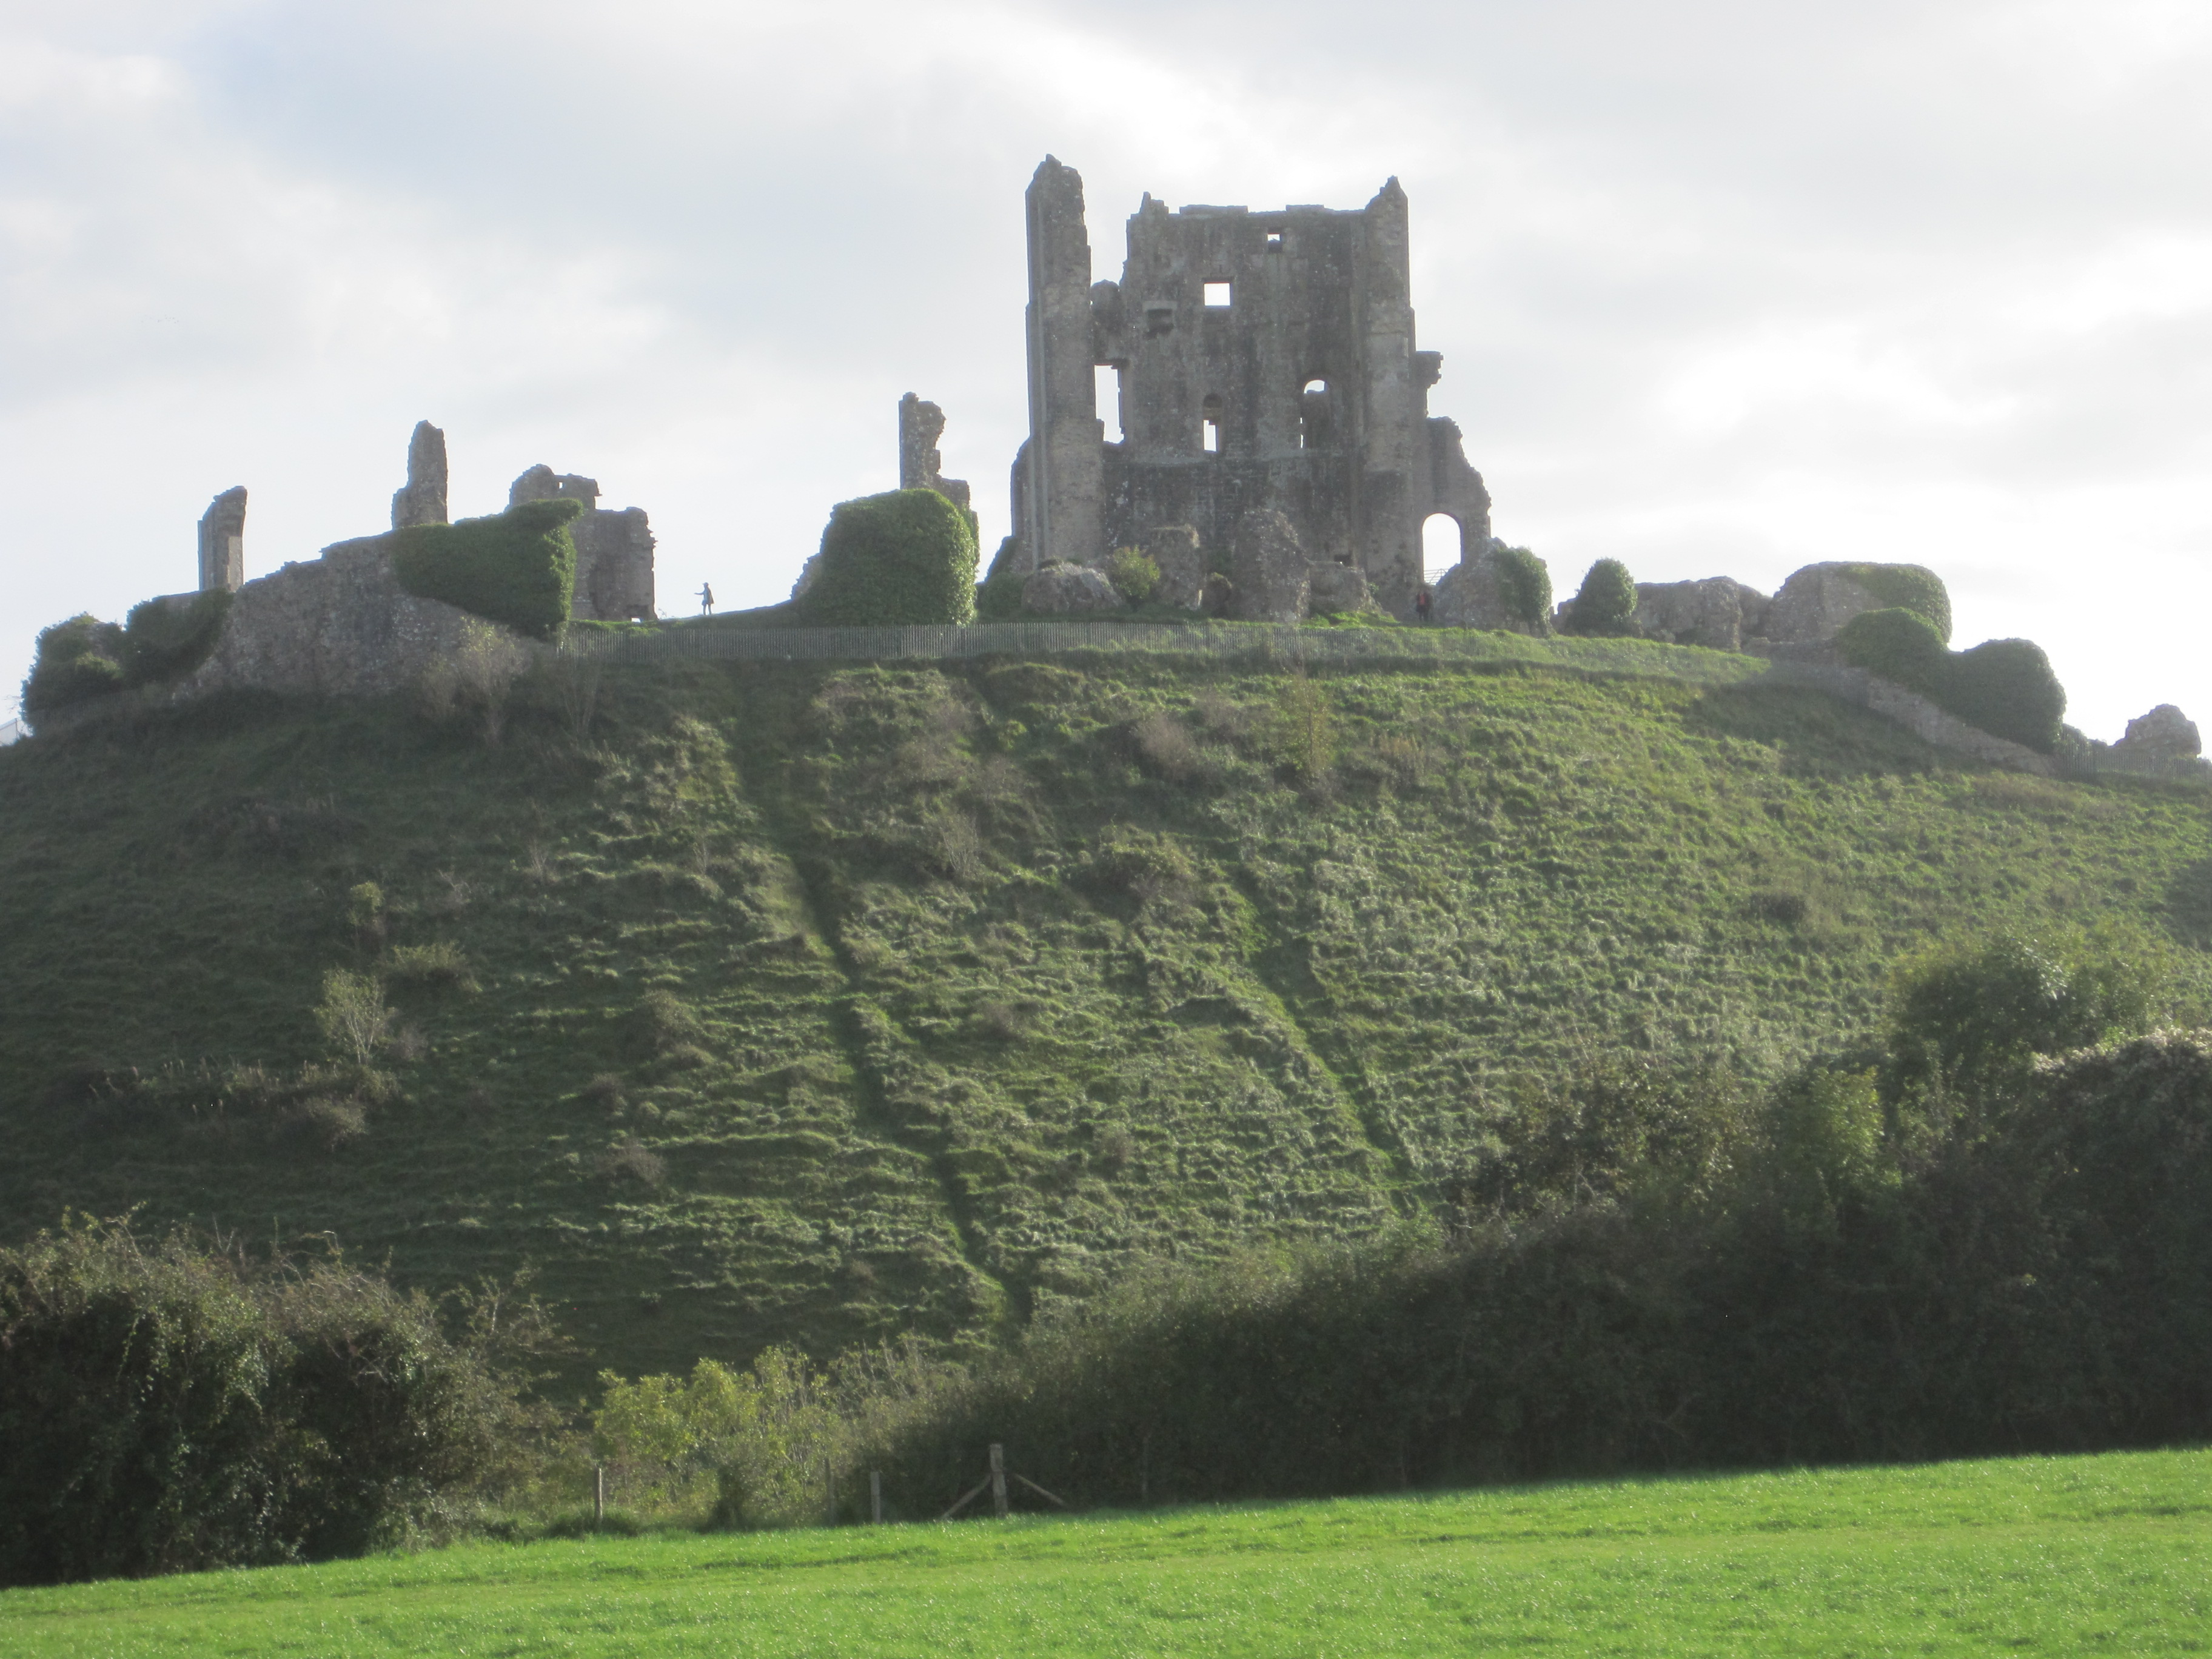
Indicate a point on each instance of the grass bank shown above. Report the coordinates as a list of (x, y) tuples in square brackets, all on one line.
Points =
[(815, 1003), (2032, 1555)]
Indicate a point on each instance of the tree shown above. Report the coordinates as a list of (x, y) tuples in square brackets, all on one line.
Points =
[(1605, 605)]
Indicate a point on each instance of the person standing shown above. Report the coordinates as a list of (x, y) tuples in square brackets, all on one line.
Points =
[(1421, 603), (706, 599)]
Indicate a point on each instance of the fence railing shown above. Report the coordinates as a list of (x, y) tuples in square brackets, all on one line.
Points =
[(1247, 641)]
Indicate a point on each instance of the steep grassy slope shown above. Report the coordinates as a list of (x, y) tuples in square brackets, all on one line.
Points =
[(810, 1003)]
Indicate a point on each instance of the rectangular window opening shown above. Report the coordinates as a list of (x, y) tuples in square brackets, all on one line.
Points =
[(1213, 438), (1274, 241), (1217, 294), (1109, 399)]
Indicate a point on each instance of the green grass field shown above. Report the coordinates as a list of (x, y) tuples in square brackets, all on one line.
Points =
[(2035, 1555)]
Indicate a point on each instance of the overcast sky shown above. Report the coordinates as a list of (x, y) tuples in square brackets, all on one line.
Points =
[(1720, 288)]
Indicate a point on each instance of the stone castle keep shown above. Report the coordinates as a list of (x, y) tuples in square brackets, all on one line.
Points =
[(1265, 362)]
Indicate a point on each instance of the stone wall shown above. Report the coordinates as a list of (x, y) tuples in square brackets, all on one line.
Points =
[(339, 625)]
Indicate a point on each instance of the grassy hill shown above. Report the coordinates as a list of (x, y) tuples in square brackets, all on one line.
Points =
[(814, 1003), (2040, 1555)]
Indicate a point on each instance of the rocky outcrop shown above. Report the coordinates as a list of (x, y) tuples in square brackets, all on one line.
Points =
[(1174, 548), (421, 499), (1472, 594), (1718, 613), (1069, 590), (2164, 735), (1266, 569), (1337, 590), (1813, 604)]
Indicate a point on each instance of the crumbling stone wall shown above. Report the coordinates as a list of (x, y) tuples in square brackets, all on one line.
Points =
[(339, 624), (1266, 361), (920, 466), (614, 550), (222, 542), (421, 499)]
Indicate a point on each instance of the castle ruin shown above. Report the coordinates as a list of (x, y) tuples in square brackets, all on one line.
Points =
[(1265, 362)]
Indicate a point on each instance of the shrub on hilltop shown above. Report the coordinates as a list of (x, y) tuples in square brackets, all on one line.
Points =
[(76, 661), (2006, 687), (518, 567), (1605, 605), (1524, 585), (905, 558)]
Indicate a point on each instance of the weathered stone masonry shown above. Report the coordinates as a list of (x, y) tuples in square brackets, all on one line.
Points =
[(1267, 361)]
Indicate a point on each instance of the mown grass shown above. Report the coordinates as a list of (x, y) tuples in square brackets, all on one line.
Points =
[(2037, 1555), (815, 1003)]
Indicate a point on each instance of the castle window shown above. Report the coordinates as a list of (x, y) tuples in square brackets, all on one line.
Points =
[(1274, 241), (1217, 294), (1210, 427), (1313, 415), (1110, 400)]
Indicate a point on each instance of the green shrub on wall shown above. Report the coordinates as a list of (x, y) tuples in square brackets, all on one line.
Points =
[(2004, 686), (902, 559), (1605, 605), (77, 661), (1907, 587), (518, 567), (1525, 584), (1898, 645), (166, 640)]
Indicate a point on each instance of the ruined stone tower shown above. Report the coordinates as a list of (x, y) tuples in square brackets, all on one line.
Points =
[(222, 542), (1264, 361)]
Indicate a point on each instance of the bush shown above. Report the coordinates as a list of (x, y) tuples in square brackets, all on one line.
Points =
[(518, 567), (1907, 587), (167, 1409), (1967, 1018), (164, 641), (1525, 584), (2006, 687), (1134, 574), (1605, 605), (1898, 645), (905, 558), (76, 661)]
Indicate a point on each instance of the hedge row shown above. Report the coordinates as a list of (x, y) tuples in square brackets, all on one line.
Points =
[(165, 1408)]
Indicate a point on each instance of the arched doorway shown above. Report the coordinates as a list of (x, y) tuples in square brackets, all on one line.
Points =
[(1440, 545)]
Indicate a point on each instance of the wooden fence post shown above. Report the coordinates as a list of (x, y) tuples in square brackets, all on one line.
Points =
[(998, 1479), (599, 1494), (876, 1496)]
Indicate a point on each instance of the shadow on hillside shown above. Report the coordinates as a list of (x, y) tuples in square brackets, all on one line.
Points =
[(2189, 903), (1817, 735)]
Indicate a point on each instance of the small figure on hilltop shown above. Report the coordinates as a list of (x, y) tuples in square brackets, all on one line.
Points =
[(706, 599), (1422, 600)]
